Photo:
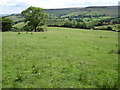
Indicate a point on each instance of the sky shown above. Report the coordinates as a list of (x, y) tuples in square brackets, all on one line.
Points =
[(16, 6)]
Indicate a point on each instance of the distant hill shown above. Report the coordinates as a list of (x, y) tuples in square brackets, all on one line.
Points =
[(2, 15), (107, 10), (62, 11), (111, 11)]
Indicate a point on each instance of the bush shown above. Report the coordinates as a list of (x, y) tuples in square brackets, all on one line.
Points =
[(15, 29), (89, 26), (67, 24), (109, 28), (104, 28)]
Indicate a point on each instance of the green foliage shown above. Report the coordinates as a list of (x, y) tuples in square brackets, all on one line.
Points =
[(88, 17), (41, 28), (15, 29), (115, 21), (89, 26), (55, 22), (27, 28), (109, 28), (68, 24), (34, 17), (74, 24), (114, 27), (60, 58), (6, 24)]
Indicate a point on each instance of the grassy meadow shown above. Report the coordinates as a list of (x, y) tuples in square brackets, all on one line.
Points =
[(60, 58)]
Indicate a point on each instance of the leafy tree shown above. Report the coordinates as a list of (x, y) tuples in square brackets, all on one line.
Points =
[(90, 25), (78, 25), (67, 24), (73, 23), (26, 28), (41, 29), (34, 17), (6, 24), (83, 25)]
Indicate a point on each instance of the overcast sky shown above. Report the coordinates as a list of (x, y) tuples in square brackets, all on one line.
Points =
[(16, 6)]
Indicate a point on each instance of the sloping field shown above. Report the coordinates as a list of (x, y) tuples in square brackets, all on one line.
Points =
[(60, 58)]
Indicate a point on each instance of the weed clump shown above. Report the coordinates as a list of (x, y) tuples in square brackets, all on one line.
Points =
[(19, 77), (35, 69), (97, 48), (18, 32), (44, 37)]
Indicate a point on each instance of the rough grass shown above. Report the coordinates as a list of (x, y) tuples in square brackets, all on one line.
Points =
[(60, 58)]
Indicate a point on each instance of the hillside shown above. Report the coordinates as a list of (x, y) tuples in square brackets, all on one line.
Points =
[(111, 11), (58, 17), (106, 10), (2, 15)]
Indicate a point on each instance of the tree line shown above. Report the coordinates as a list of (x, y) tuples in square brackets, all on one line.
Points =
[(35, 19)]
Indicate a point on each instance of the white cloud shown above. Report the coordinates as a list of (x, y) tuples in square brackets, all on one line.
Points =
[(16, 6)]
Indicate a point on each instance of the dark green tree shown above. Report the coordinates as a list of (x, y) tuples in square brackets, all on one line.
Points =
[(109, 28), (6, 24), (34, 17), (68, 24), (74, 23), (83, 25)]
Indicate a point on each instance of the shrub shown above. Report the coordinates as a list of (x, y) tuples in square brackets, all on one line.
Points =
[(67, 24), (15, 29), (109, 28), (18, 32), (104, 28)]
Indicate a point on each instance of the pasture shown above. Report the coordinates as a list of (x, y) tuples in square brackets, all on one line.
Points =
[(60, 58)]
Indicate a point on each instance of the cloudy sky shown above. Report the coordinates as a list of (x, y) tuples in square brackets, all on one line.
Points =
[(16, 6)]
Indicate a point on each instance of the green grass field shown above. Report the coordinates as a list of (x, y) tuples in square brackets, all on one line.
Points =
[(60, 58)]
